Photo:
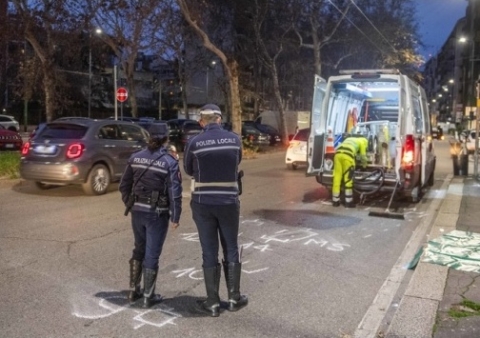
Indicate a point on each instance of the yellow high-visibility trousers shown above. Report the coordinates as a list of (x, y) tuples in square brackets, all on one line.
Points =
[(342, 164)]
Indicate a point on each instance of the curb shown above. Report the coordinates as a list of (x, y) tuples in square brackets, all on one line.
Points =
[(417, 311)]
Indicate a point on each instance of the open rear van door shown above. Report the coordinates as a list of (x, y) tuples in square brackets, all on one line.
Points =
[(316, 140)]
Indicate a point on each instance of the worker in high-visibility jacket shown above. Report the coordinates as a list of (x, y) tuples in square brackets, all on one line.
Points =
[(344, 167)]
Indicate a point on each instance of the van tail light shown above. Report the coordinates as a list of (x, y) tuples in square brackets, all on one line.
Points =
[(75, 150), (408, 152), (25, 148)]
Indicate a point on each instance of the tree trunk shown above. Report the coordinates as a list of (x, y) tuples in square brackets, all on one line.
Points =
[(278, 98), (49, 88), (235, 97), (132, 94)]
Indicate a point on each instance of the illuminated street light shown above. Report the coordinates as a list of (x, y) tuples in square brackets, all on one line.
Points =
[(98, 31), (207, 91)]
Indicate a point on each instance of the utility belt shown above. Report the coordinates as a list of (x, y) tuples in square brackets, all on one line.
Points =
[(156, 200), (346, 151)]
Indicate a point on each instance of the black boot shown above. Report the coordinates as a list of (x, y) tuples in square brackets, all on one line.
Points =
[(149, 281), (350, 205), (212, 284), (232, 276), (135, 279)]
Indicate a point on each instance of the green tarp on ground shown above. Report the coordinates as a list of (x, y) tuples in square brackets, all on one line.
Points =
[(459, 250)]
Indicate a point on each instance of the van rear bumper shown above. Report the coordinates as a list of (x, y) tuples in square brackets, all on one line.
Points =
[(386, 184)]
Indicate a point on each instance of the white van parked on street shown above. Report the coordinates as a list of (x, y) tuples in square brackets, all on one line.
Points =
[(391, 111)]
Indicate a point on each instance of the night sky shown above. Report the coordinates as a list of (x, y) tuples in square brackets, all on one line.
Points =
[(436, 20)]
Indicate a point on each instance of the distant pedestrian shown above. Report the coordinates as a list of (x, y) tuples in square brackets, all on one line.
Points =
[(344, 167), (151, 187), (212, 158)]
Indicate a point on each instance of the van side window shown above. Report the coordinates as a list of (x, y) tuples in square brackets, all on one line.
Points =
[(417, 115)]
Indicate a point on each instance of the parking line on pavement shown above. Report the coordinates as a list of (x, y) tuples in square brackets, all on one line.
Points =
[(375, 314)]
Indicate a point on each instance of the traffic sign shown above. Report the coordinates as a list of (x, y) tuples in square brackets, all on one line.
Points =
[(122, 94)]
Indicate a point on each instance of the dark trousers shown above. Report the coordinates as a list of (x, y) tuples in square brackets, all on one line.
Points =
[(214, 221), (149, 231)]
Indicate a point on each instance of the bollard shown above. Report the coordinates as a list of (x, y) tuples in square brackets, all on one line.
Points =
[(456, 166), (463, 165)]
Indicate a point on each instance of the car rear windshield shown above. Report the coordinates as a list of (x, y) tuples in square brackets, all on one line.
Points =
[(192, 126), (302, 135), (158, 128), (63, 131)]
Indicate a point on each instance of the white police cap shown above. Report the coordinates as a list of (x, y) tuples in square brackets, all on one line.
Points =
[(210, 109)]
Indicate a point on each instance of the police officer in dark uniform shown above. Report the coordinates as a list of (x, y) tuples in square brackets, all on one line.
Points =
[(151, 187), (212, 158)]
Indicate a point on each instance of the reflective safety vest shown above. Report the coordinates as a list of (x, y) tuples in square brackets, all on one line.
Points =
[(353, 146)]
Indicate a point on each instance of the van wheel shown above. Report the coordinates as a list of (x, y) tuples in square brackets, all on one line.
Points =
[(431, 179), (292, 166), (98, 181)]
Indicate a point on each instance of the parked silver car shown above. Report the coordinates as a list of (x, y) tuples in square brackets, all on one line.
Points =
[(9, 122), (92, 153)]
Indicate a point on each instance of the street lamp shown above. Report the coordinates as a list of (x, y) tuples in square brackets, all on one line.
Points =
[(98, 31), (207, 91)]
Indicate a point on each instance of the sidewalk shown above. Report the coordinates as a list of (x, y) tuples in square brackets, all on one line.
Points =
[(431, 305)]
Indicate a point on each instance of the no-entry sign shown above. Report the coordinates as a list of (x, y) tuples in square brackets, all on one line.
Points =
[(122, 94)]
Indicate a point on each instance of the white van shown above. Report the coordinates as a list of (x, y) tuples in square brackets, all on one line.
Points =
[(387, 108)]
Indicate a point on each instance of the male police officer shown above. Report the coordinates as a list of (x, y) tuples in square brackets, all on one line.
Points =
[(212, 158), (344, 167), (151, 186)]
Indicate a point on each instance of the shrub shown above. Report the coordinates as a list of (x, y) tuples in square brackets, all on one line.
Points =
[(10, 164)]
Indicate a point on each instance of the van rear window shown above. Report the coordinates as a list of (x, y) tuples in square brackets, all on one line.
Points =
[(353, 102)]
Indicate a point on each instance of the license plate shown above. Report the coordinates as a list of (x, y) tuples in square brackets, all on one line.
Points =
[(42, 149), (9, 146)]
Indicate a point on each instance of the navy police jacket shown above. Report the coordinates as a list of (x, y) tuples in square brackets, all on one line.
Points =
[(162, 175), (212, 159)]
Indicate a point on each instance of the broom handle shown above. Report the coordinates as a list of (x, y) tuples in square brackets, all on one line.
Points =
[(393, 194)]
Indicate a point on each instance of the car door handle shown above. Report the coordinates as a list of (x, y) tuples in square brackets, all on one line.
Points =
[(109, 146)]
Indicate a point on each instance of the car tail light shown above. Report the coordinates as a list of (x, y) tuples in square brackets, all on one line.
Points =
[(251, 138), (25, 148), (408, 152), (75, 150)]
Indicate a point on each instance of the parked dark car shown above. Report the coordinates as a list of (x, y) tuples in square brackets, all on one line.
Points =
[(92, 153), (181, 130), (156, 128), (10, 139), (437, 133), (275, 136), (254, 136)]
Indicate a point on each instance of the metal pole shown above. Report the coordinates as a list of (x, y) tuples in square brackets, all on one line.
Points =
[(477, 130), (159, 99), (89, 74), (206, 89), (115, 91), (474, 40)]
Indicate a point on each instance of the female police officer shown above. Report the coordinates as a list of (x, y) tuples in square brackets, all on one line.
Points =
[(212, 158), (152, 187)]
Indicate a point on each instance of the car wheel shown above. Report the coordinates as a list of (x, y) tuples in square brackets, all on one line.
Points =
[(98, 181), (43, 186), (12, 129)]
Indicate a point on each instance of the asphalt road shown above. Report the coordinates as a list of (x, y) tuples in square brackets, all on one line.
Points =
[(310, 270)]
